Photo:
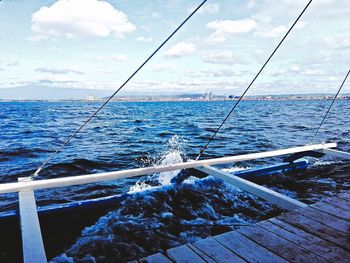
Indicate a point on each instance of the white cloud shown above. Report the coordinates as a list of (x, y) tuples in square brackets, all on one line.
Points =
[(261, 18), (295, 68), (279, 31), (181, 49), (106, 71), (225, 28), (338, 42), (12, 64), (221, 57), (313, 72), (117, 58), (155, 15), (163, 68), (144, 39), (217, 73), (80, 18), (55, 49), (60, 70), (212, 8), (276, 31)]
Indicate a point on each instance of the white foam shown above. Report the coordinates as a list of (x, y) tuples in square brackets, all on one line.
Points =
[(172, 155), (325, 163), (139, 187), (234, 169)]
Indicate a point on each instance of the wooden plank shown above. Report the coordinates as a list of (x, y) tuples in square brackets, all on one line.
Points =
[(336, 201), (282, 201), (309, 225), (340, 154), (326, 219), (338, 211), (279, 245), (345, 196), (32, 243), (201, 254), (324, 248), (298, 240), (184, 254), (247, 249), (157, 258), (216, 251), (93, 178)]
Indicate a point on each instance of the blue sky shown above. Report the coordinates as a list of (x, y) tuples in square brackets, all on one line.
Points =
[(98, 44)]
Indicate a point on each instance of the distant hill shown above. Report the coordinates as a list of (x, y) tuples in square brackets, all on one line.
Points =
[(50, 93)]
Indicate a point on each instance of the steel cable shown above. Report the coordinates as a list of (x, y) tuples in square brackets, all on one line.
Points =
[(251, 83)]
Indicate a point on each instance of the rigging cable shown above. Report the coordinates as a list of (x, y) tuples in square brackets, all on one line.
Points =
[(251, 83), (131, 76), (330, 107)]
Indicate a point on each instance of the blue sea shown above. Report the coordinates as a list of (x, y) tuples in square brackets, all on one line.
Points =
[(157, 214)]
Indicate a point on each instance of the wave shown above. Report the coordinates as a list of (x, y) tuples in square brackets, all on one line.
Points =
[(76, 167), (167, 216), (21, 152)]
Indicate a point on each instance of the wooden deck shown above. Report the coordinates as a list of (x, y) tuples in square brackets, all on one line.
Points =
[(317, 233)]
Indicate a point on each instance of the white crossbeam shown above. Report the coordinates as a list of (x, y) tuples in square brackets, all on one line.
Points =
[(93, 178), (278, 199), (340, 154)]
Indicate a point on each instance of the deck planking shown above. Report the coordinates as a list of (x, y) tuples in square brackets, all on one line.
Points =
[(338, 208), (216, 251), (317, 233), (184, 254), (319, 246), (247, 249)]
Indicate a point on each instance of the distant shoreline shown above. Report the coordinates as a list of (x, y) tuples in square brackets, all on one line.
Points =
[(169, 99)]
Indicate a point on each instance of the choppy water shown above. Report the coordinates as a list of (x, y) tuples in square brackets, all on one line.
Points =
[(126, 135)]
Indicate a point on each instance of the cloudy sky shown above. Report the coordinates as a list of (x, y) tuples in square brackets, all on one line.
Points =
[(98, 44)]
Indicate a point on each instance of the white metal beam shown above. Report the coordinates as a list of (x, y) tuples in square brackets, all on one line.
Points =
[(93, 178), (278, 199), (340, 154), (32, 243)]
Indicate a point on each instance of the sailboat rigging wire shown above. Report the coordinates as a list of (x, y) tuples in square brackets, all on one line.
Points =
[(330, 107), (131, 76), (251, 83)]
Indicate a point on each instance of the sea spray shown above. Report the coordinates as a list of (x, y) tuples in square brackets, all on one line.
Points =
[(174, 153), (171, 158)]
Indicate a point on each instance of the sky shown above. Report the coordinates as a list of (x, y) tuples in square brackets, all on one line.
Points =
[(97, 44)]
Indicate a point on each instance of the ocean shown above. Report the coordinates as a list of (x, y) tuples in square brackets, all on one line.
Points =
[(158, 214)]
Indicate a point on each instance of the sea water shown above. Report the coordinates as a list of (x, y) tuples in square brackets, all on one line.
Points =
[(158, 214)]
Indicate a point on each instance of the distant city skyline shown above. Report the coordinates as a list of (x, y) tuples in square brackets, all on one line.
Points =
[(95, 44)]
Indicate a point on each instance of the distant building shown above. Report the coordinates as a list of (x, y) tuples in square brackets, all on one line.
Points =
[(91, 98), (208, 96)]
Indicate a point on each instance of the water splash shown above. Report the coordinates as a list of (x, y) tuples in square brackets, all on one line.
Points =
[(140, 186), (174, 153), (170, 158), (235, 169), (319, 163)]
